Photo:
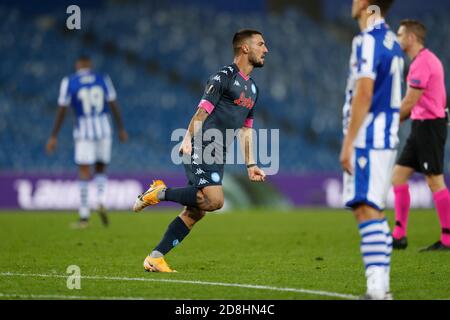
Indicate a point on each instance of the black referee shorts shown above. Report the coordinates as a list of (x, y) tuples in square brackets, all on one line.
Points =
[(424, 149)]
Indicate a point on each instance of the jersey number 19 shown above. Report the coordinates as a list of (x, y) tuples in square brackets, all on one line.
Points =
[(92, 99)]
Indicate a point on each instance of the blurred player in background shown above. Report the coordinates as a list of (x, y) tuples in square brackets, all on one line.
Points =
[(92, 96), (227, 103), (424, 103), (371, 121)]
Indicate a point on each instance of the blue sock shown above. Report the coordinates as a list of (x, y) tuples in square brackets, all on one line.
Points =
[(175, 233), (186, 196), (374, 247)]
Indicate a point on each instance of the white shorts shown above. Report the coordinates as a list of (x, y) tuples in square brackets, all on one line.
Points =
[(371, 179), (88, 152)]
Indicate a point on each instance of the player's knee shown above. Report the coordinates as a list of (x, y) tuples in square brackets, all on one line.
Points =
[(364, 212), (398, 179), (436, 183), (216, 204), (213, 199), (84, 172), (100, 167), (212, 203), (219, 204)]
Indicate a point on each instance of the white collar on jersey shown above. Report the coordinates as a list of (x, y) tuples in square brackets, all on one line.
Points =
[(372, 24), (83, 70)]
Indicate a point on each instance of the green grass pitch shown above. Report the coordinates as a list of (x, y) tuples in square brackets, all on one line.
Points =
[(283, 252)]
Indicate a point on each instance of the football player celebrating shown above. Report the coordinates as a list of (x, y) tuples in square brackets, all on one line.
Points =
[(228, 103)]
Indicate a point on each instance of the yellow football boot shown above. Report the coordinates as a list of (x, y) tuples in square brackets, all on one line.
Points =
[(156, 265), (149, 197)]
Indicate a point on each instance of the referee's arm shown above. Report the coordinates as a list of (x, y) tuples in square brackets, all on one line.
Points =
[(411, 98)]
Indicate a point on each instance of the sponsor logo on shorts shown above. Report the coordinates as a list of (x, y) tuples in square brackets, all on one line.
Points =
[(202, 181), (199, 171)]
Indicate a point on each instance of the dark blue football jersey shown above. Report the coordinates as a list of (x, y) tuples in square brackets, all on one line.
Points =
[(229, 98)]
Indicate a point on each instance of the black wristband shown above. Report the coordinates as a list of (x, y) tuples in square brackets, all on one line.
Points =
[(251, 165)]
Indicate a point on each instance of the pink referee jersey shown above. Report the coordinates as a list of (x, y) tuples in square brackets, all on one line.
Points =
[(426, 72)]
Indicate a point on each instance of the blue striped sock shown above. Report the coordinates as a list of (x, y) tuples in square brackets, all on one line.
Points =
[(374, 247)]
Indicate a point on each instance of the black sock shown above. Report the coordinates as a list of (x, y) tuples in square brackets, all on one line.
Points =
[(186, 196), (175, 233)]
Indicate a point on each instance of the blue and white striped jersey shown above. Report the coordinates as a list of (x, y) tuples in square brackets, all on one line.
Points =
[(376, 54), (87, 93)]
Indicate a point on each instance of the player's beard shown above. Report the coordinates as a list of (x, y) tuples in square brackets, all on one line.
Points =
[(254, 61)]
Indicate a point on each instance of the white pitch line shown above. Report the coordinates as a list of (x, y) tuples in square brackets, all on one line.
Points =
[(206, 283)]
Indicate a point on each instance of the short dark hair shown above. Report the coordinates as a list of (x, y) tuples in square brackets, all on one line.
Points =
[(83, 57), (416, 27), (383, 4), (240, 36)]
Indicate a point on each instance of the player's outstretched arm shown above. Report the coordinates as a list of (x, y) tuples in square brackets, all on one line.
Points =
[(360, 107), (194, 126), (246, 142), (411, 98), (52, 141), (123, 135)]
